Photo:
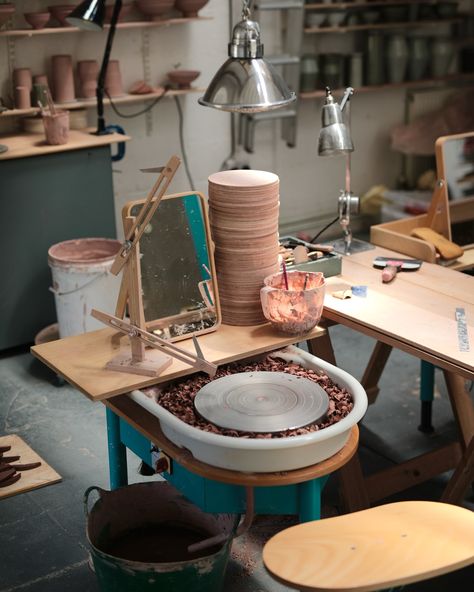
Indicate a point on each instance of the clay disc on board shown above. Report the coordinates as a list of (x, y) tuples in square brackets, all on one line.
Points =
[(262, 401)]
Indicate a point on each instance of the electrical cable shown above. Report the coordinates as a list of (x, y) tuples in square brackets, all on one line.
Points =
[(181, 142), (323, 229), (138, 113)]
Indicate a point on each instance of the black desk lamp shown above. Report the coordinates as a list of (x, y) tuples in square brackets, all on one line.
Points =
[(90, 15)]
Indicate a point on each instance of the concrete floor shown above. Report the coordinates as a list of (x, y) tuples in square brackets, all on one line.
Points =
[(42, 533)]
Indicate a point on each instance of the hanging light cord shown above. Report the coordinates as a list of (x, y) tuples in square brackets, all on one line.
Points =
[(181, 142), (137, 113), (323, 230)]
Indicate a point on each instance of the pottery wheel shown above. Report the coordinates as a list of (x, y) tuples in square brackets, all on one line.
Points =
[(262, 401)]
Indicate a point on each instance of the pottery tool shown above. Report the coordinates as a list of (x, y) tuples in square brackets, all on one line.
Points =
[(122, 362), (461, 327), (49, 99), (391, 266), (262, 401), (285, 275)]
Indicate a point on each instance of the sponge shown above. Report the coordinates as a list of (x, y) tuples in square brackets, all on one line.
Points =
[(446, 248)]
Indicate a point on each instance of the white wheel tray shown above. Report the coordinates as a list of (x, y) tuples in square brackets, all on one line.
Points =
[(266, 455)]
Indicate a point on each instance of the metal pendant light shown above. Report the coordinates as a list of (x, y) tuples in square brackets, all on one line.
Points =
[(88, 15), (246, 83)]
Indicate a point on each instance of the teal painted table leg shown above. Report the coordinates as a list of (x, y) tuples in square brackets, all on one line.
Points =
[(426, 396), (118, 475), (309, 497)]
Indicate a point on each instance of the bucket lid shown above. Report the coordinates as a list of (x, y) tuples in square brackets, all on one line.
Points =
[(83, 251)]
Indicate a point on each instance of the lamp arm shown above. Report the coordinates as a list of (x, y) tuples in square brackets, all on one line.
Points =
[(103, 68)]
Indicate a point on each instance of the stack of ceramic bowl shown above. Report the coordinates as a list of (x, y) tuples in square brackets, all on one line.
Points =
[(243, 213)]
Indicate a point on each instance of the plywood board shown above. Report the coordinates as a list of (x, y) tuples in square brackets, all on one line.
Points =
[(32, 479), (81, 359)]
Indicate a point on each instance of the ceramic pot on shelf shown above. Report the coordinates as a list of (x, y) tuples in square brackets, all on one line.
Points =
[(22, 77), (397, 58), (309, 73), (22, 97), (87, 73), (113, 79), (442, 53), (63, 79), (190, 8), (375, 68), (419, 58), (155, 10)]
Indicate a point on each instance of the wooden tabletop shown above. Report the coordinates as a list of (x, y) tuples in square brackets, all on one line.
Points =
[(81, 359), (24, 145), (415, 312)]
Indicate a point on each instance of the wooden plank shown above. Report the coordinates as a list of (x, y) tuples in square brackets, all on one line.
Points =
[(149, 426), (81, 359), (376, 549), (352, 489), (412, 472), (461, 404), (24, 145), (374, 370), (32, 479), (461, 479)]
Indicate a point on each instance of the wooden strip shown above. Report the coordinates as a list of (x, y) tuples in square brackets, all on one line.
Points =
[(461, 404), (461, 479), (32, 479), (412, 472), (149, 426), (353, 492), (374, 370)]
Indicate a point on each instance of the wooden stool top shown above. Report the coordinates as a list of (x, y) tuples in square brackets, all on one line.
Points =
[(374, 549)]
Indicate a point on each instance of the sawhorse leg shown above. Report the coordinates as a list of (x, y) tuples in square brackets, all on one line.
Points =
[(118, 475), (426, 396)]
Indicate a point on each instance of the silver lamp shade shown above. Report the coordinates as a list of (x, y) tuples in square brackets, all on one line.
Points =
[(334, 137), (246, 83)]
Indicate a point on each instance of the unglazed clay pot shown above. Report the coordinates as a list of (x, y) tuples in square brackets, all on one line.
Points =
[(22, 97), (190, 8), (87, 73), (113, 79), (6, 11), (124, 12), (154, 9), (63, 79), (60, 12), (183, 78), (22, 77), (38, 20)]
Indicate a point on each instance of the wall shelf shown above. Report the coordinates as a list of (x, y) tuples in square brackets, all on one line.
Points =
[(91, 103), (125, 25), (461, 77), (379, 26), (363, 4)]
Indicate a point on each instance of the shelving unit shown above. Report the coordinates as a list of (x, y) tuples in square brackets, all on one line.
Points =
[(91, 103), (124, 25), (388, 25)]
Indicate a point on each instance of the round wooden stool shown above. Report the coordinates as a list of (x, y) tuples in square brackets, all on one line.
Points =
[(374, 549)]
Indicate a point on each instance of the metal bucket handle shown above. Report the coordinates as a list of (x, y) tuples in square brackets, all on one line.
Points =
[(87, 494)]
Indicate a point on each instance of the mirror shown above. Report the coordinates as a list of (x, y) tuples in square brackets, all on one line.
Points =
[(178, 275), (455, 164)]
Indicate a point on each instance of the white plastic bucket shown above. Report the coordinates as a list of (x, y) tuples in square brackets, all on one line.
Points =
[(82, 281)]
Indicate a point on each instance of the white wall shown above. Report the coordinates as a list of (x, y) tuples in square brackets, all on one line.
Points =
[(309, 184)]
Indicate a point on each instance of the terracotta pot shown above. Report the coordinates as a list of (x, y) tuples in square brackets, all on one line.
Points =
[(40, 79), (113, 79), (56, 128), (154, 9), (38, 20), (87, 72), (22, 77), (22, 97), (183, 78), (60, 12), (190, 8), (63, 79), (124, 12), (6, 11)]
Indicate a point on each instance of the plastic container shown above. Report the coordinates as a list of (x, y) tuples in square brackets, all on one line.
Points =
[(82, 281), (266, 455), (139, 534)]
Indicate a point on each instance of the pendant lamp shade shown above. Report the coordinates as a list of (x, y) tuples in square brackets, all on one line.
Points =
[(89, 15), (246, 83)]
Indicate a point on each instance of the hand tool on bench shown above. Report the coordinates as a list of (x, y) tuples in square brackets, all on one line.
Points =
[(390, 266)]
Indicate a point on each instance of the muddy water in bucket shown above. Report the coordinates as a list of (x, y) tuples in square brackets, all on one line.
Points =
[(139, 536), (81, 280)]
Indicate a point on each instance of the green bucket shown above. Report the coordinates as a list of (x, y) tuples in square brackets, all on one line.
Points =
[(139, 534)]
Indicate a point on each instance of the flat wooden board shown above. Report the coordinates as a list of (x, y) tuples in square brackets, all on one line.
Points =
[(373, 549), (32, 479), (414, 311), (27, 144), (81, 359)]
